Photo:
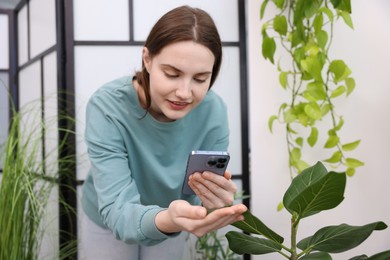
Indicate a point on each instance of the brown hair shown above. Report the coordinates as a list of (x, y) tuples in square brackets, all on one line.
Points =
[(181, 24)]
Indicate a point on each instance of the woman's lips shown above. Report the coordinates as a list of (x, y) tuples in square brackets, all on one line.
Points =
[(176, 105)]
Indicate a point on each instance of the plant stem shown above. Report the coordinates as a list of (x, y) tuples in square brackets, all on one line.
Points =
[(294, 230)]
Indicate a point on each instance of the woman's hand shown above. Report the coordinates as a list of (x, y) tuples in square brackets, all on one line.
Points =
[(213, 190), (182, 216)]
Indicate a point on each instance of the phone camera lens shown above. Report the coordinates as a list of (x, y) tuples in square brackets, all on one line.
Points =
[(222, 160), (220, 165), (211, 163)]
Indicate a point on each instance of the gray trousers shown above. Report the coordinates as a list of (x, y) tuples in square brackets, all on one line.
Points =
[(100, 244)]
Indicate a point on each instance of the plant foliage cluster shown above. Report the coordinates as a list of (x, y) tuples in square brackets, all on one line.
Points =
[(30, 173), (304, 29), (312, 191), (314, 80)]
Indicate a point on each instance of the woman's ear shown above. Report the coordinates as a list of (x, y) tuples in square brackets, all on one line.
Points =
[(146, 58)]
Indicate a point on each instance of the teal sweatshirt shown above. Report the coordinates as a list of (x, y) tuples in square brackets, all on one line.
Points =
[(138, 163)]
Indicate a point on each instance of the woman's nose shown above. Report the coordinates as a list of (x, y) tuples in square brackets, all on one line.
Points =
[(184, 90)]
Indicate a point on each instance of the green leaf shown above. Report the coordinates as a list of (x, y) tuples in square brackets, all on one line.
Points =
[(338, 91), (337, 239), (262, 9), (280, 206), (313, 137), (314, 190), (283, 79), (271, 122), (299, 141), (279, 3), (353, 163), (299, 55), (313, 110), (350, 172), (318, 22), (303, 119), (289, 116), (280, 24), (332, 141), (316, 256), (298, 35), (350, 146), (316, 89), (325, 109), (322, 39), (299, 12), (339, 125), (268, 48), (335, 158), (328, 13), (343, 5), (380, 256), (347, 19), (311, 8), (252, 225), (312, 66), (243, 244), (339, 69), (350, 82), (295, 154)]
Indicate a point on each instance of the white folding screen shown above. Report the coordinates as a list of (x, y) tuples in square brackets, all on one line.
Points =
[(37, 96), (4, 42), (42, 25), (22, 36), (105, 21), (224, 13), (4, 81)]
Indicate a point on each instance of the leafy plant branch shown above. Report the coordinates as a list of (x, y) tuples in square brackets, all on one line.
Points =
[(304, 31)]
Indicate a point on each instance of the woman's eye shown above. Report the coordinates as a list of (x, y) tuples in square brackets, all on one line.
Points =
[(171, 75), (200, 80)]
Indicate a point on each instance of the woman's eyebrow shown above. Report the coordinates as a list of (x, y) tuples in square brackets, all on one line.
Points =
[(168, 66)]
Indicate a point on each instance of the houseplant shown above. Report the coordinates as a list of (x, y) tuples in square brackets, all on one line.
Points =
[(302, 33), (29, 180), (312, 191)]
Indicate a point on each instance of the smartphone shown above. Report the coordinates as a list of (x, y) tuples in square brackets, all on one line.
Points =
[(200, 161)]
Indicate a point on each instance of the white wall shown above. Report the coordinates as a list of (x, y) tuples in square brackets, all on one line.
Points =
[(366, 51)]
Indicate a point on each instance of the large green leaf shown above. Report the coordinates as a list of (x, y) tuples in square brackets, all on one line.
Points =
[(314, 190), (244, 244), (385, 255), (251, 224), (337, 239), (317, 256)]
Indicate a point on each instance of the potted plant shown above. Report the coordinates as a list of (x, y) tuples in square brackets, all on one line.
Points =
[(30, 175), (312, 191)]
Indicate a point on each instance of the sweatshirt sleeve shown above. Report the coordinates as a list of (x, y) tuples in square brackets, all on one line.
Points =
[(119, 201)]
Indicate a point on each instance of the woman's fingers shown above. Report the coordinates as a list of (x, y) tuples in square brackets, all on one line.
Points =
[(214, 190)]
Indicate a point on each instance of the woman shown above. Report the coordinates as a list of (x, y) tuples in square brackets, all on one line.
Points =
[(139, 134)]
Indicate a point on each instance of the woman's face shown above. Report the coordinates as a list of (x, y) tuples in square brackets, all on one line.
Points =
[(179, 79)]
